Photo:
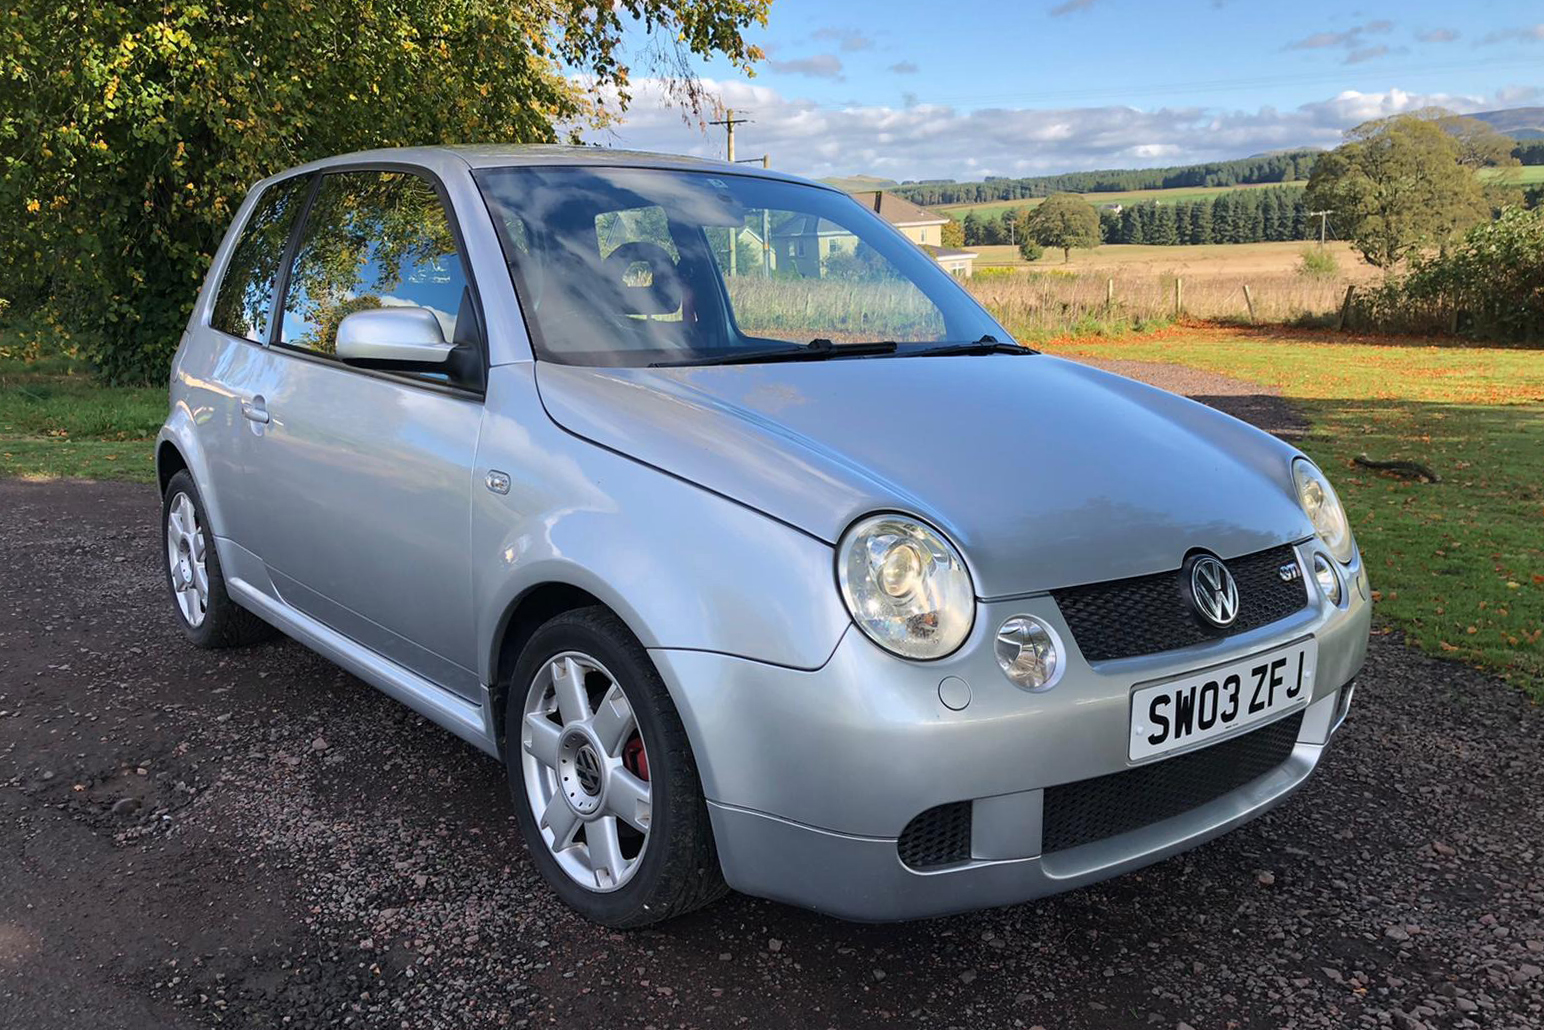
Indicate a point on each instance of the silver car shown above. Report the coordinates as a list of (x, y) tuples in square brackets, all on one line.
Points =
[(750, 543)]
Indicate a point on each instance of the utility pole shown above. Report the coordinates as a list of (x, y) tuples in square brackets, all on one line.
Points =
[(766, 218), (729, 121), (1323, 217)]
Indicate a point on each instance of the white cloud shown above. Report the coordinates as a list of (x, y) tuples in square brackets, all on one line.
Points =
[(1351, 38), (923, 141), (1438, 36), (1525, 34), (850, 40), (821, 66)]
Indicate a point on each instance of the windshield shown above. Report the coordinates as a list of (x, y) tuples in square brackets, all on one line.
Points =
[(630, 266)]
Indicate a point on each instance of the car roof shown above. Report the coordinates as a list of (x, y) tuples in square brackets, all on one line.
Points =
[(510, 155)]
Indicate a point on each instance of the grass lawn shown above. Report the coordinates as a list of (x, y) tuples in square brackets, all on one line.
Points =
[(1458, 565), (55, 420)]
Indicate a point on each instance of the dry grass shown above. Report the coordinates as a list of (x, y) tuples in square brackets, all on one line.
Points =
[(1035, 303), (1189, 261)]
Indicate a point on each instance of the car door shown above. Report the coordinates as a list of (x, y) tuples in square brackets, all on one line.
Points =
[(228, 359), (366, 475)]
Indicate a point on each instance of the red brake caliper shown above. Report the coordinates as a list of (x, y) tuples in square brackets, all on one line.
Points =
[(634, 758)]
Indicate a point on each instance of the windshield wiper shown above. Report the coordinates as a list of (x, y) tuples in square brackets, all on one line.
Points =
[(818, 349), (986, 345)]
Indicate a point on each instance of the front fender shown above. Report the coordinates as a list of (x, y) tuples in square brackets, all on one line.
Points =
[(683, 567)]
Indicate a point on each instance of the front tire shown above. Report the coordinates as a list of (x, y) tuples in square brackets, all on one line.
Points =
[(602, 776), (209, 618)]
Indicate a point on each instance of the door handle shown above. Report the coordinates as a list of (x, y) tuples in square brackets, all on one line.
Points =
[(254, 411)]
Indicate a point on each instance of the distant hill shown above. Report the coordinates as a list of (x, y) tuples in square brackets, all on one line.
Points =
[(1279, 167), (1516, 122), (859, 183)]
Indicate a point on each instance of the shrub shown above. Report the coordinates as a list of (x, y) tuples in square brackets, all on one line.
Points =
[(1029, 250), (1492, 282), (133, 130), (1317, 263)]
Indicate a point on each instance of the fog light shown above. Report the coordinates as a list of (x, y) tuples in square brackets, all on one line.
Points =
[(1329, 582), (1026, 651)]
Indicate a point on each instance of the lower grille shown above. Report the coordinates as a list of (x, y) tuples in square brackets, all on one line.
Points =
[(1149, 614), (940, 836), (1090, 810)]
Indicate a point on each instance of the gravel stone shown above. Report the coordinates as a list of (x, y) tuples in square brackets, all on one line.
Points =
[(243, 891)]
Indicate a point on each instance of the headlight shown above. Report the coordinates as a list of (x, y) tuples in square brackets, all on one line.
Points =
[(906, 586), (1329, 581), (1323, 508), (1026, 653)]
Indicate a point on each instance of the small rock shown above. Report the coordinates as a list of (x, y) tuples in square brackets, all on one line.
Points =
[(126, 806), (1443, 849), (319, 744), (1266, 878), (774, 945), (1397, 933), (968, 976), (879, 976)]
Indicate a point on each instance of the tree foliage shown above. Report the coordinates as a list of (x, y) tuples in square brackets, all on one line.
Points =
[(129, 131), (1065, 220), (1402, 185), (952, 234)]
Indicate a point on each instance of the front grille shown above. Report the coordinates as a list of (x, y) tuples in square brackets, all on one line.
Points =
[(1148, 614), (939, 836), (1090, 810)]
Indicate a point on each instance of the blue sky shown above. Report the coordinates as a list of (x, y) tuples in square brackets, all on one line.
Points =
[(961, 89)]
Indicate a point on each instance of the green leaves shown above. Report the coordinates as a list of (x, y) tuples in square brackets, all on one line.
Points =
[(1402, 185), (133, 130), (1064, 221)]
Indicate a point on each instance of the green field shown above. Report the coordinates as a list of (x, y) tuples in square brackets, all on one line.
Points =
[(56, 420), (1527, 175), (995, 208), (1457, 565)]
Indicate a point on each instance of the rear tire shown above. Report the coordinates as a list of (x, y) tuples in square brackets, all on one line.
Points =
[(208, 616), (591, 737)]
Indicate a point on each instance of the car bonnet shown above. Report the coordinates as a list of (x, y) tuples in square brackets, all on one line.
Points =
[(1045, 473)]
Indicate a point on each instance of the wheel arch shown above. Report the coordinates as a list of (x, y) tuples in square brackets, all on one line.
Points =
[(522, 617), (168, 462)]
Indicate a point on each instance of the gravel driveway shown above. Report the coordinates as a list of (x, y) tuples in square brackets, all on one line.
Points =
[(256, 839)]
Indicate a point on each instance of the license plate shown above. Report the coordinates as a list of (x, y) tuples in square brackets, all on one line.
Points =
[(1213, 703)]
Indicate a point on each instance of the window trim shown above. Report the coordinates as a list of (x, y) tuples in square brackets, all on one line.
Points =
[(207, 322), (281, 291)]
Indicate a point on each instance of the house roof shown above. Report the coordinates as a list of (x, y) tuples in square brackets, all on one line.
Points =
[(897, 211)]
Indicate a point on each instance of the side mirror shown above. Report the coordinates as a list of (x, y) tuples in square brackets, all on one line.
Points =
[(393, 338)]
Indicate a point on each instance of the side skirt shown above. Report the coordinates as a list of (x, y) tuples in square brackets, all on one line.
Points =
[(471, 722)]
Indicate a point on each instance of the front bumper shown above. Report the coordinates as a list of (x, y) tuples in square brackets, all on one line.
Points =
[(811, 776)]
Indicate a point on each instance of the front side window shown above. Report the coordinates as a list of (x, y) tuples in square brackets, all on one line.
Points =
[(626, 266), (373, 239), (244, 303)]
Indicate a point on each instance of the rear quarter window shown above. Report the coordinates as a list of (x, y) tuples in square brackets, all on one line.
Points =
[(244, 304)]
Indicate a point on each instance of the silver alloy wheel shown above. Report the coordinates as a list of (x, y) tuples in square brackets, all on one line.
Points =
[(185, 556), (591, 809)]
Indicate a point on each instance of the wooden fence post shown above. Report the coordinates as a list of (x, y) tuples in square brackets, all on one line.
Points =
[(1345, 308), (1249, 300), (1179, 296), (1109, 297)]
